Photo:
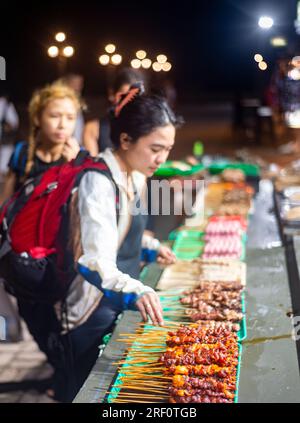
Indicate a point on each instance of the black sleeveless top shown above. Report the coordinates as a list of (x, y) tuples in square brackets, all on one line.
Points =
[(18, 159), (104, 140)]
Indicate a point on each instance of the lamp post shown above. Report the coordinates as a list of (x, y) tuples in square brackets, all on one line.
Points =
[(110, 59), (142, 61), (62, 52), (161, 64)]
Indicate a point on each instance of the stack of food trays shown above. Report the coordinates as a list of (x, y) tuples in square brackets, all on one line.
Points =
[(225, 237)]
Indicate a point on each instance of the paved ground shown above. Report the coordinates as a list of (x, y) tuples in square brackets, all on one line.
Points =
[(23, 372)]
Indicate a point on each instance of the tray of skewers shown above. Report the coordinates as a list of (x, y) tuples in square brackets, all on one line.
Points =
[(209, 302), (196, 363)]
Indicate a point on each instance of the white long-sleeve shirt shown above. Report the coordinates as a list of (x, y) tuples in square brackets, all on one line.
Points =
[(101, 237)]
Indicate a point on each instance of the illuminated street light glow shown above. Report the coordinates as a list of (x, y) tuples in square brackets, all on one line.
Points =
[(258, 58), (68, 51), (146, 63), (278, 42), (53, 51), (166, 67), (116, 59), (295, 61), (60, 37), (294, 74), (161, 58), (136, 63), (110, 48), (262, 66), (104, 59), (265, 22), (141, 54), (292, 119), (157, 67)]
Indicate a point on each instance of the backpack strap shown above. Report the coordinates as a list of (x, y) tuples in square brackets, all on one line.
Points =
[(81, 157), (18, 161)]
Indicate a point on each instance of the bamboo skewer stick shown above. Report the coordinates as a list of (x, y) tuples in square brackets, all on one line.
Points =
[(149, 376), (141, 383), (124, 401), (155, 364), (140, 388), (128, 384), (135, 395), (161, 385)]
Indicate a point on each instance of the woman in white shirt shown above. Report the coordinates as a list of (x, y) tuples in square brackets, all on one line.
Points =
[(111, 236)]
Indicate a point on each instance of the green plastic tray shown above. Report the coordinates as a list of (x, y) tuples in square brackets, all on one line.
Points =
[(242, 334), (238, 373), (167, 170), (247, 168), (188, 245)]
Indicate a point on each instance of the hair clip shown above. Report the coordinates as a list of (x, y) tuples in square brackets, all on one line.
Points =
[(135, 89)]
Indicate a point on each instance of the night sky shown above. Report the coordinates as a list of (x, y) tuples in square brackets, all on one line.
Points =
[(211, 44)]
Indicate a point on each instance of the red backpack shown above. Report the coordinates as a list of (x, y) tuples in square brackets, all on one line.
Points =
[(34, 260)]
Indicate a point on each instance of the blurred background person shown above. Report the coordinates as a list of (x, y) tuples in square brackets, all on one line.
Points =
[(76, 82), (96, 136), (52, 118), (9, 124)]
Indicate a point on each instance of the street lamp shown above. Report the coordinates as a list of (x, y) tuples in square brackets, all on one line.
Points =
[(278, 42), (116, 59), (166, 67), (53, 51), (136, 63), (68, 51), (60, 37), (161, 64), (161, 58), (104, 59), (262, 65), (110, 57), (141, 54), (157, 67), (62, 52), (258, 58), (141, 60), (265, 22), (146, 63), (110, 48)]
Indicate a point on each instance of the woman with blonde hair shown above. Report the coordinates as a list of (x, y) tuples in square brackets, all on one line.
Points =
[(52, 118)]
